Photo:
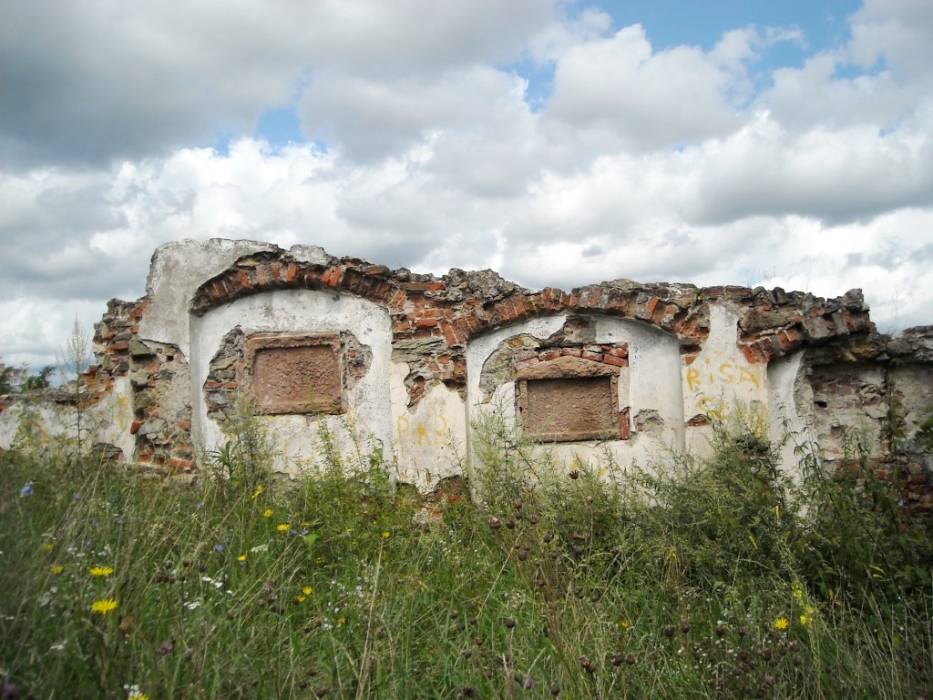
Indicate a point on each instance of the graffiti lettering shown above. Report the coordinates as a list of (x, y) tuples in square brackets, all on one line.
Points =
[(431, 432), (726, 373)]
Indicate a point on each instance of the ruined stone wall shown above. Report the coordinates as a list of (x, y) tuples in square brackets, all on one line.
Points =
[(415, 359), (872, 401)]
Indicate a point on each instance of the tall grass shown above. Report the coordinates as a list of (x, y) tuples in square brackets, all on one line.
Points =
[(704, 578)]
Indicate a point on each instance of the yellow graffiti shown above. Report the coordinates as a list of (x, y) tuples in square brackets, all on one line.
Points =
[(431, 432), (693, 378), (716, 382), (122, 410), (712, 406), (726, 373)]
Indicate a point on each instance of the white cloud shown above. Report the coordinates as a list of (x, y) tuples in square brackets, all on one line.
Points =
[(624, 88), (99, 80), (655, 165)]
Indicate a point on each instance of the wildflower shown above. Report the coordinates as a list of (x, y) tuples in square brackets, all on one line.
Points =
[(267, 513), (98, 571), (219, 547), (625, 624), (781, 623), (300, 598), (56, 569), (386, 534), (307, 590), (806, 616), (134, 693), (258, 492), (46, 546), (26, 490), (281, 527), (104, 606), (242, 557), (797, 592)]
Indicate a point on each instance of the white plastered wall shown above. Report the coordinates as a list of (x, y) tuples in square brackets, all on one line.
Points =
[(788, 430), (180, 267), (107, 421), (429, 438), (721, 382), (296, 437), (653, 385)]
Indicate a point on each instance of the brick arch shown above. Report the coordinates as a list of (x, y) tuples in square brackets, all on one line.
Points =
[(433, 318)]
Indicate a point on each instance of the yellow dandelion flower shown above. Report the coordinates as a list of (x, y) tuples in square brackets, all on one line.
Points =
[(806, 616), (104, 606), (282, 527), (307, 590), (56, 569), (46, 546), (300, 599), (242, 557), (259, 490), (625, 624), (386, 534), (781, 623), (137, 695), (100, 571), (267, 513)]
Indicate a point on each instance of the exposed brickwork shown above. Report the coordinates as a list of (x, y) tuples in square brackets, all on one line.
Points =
[(113, 336), (433, 318), (162, 425), (157, 371), (230, 370), (871, 400)]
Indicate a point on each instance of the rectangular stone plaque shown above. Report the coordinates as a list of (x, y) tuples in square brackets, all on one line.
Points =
[(292, 374), (569, 409)]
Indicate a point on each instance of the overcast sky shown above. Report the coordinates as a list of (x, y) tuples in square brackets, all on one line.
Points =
[(751, 142)]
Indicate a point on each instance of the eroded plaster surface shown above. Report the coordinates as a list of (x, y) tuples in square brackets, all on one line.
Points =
[(296, 437), (432, 355), (651, 392)]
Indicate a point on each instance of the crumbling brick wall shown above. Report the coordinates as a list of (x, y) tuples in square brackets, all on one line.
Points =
[(852, 371)]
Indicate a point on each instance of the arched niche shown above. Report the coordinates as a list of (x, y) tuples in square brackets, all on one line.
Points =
[(611, 383), (306, 357)]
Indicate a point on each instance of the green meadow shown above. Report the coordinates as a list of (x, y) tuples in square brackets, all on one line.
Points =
[(688, 578)]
